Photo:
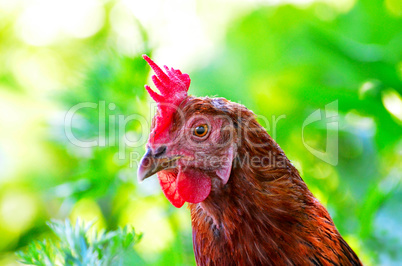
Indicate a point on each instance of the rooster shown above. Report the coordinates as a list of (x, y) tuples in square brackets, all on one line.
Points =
[(248, 203)]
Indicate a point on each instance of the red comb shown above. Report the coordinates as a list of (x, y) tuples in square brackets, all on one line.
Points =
[(173, 86)]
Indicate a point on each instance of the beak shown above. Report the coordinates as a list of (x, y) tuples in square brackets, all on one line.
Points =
[(150, 165)]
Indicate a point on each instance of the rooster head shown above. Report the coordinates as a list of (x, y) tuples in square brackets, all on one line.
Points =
[(191, 146)]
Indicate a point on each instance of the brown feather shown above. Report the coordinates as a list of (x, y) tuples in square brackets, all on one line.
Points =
[(265, 214)]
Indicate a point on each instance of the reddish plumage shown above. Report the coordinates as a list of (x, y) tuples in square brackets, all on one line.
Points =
[(250, 213)]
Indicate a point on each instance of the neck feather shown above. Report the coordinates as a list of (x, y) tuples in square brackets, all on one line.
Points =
[(263, 214)]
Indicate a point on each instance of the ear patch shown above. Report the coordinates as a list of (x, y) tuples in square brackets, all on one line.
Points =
[(224, 171)]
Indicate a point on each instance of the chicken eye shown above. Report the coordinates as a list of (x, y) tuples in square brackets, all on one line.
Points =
[(201, 130)]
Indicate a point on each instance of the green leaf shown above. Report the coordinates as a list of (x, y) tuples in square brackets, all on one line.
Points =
[(75, 246)]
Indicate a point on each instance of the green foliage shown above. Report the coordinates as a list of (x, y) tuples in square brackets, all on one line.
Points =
[(78, 245)]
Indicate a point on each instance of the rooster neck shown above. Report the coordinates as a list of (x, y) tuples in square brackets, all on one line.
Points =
[(265, 195), (234, 217), (268, 217)]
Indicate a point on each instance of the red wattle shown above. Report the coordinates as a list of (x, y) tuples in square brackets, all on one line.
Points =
[(167, 180), (193, 186)]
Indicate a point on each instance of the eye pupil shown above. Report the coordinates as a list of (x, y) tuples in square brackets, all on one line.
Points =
[(201, 131)]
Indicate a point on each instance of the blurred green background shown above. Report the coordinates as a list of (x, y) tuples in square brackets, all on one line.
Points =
[(278, 58)]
